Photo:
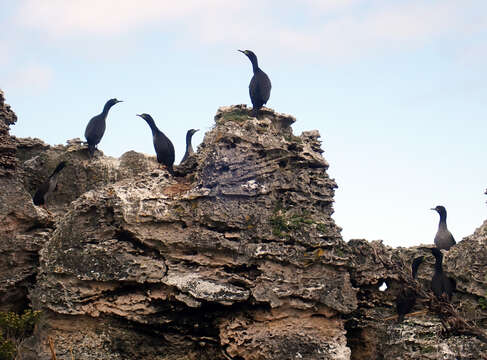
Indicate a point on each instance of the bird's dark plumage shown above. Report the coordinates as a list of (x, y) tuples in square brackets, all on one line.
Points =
[(406, 299), (189, 147), (443, 239), (48, 187), (96, 126), (441, 284), (163, 146), (260, 84)]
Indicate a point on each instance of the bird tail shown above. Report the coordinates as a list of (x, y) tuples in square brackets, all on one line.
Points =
[(91, 149), (400, 318), (58, 169), (170, 169)]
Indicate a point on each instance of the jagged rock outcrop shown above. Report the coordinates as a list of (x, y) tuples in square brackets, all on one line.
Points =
[(236, 244), (236, 258)]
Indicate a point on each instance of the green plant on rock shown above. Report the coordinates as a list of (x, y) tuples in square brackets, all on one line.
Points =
[(279, 227), (483, 302), (237, 115), (321, 227), (282, 223), (13, 329)]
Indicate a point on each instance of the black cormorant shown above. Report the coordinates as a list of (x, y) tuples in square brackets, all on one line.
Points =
[(48, 187), (260, 85), (441, 284), (96, 126), (163, 146), (443, 239), (406, 299), (189, 147)]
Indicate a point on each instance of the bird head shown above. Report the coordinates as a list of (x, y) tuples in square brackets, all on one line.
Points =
[(147, 118), (192, 131), (112, 102), (250, 55), (439, 209)]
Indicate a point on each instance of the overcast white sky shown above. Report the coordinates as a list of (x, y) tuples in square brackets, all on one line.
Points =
[(396, 88)]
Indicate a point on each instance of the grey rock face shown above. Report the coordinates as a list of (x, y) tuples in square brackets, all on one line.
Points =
[(238, 236), (237, 258)]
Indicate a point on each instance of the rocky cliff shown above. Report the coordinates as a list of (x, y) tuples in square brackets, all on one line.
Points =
[(238, 257)]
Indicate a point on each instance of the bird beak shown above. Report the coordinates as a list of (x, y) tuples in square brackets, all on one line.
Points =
[(138, 115), (433, 209), (119, 101), (242, 51), (197, 130)]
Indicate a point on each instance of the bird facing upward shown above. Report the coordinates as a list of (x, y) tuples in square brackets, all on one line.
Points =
[(163, 146), (441, 284), (189, 147), (443, 239), (260, 84), (48, 187), (96, 126)]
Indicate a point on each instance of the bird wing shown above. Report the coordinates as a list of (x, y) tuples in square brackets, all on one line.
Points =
[(95, 130), (260, 88), (164, 149)]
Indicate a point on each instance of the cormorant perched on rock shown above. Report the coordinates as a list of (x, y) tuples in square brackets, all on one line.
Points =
[(260, 85), (443, 239), (406, 299), (47, 188), (189, 147), (96, 126), (441, 284), (163, 146)]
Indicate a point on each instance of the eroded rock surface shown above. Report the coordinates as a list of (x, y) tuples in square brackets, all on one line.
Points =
[(238, 257)]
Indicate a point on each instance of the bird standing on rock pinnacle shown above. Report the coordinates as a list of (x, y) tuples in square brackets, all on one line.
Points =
[(189, 147), (96, 126), (443, 239), (163, 146), (48, 187), (260, 84)]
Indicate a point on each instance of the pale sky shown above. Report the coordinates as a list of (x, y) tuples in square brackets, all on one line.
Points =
[(396, 89)]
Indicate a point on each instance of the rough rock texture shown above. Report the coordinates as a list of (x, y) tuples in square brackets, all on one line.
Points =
[(236, 258)]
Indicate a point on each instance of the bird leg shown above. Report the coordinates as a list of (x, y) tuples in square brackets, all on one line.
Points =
[(45, 208)]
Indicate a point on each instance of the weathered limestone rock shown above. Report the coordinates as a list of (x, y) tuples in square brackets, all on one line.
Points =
[(21, 233), (242, 234), (236, 258)]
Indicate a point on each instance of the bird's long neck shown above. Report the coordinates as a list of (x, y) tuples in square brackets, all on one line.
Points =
[(189, 147), (255, 65), (153, 126), (105, 110), (442, 224)]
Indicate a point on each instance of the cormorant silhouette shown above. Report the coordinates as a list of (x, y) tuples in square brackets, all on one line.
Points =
[(442, 285), (189, 147), (406, 298), (443, 239), (96, 126), (260, 84), (163, 146), (48, 187)]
